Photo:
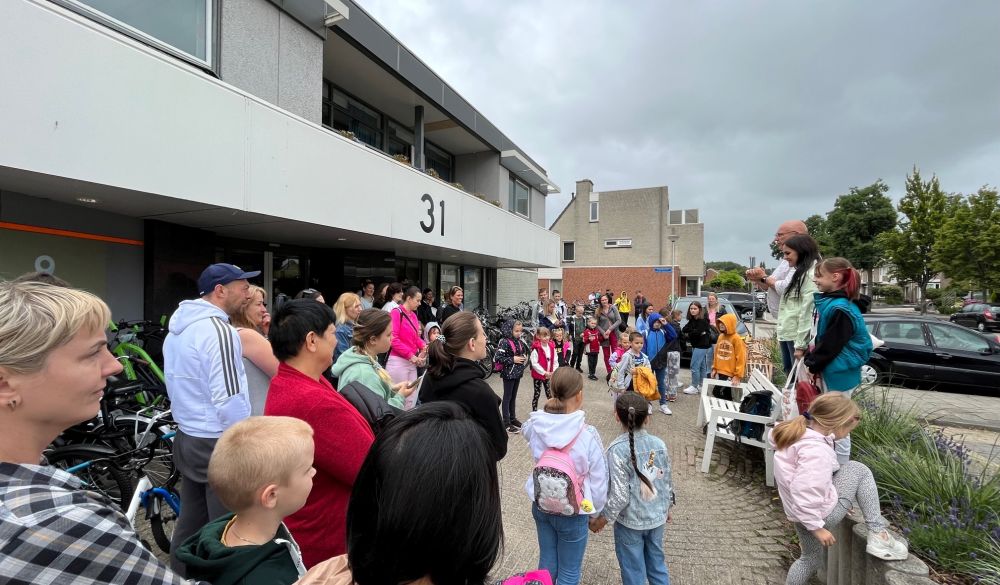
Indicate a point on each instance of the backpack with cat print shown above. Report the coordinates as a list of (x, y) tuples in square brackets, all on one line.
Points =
[(756, 403), (558, 486)]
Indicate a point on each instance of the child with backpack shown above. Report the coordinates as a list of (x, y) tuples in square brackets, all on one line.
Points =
[(623, 346), (592, 343), (658, 338), (564, 350), (569, 483), (730, 360), (543, 363), (817, 492), (841, 343), (621, 381), (577, 325), (640, 495), (511, 358)]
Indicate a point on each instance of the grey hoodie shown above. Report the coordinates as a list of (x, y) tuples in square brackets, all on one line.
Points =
[(203, 364)]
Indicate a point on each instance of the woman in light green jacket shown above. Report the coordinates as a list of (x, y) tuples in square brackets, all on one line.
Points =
[(795, 311), (372, 336)]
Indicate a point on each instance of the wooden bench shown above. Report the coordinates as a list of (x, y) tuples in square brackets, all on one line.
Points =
[(717, 411)]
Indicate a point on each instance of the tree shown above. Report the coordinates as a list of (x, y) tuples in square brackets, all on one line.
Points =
[(723, 265), (968, 244), (856, 221), (910, 246), (817, 229), (728, 280)]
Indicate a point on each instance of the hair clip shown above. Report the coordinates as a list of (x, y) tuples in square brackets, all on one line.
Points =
[(807, 415), (440, 338), (631, 410)]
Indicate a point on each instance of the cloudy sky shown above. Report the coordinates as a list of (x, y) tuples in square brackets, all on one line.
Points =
[(753, 112)]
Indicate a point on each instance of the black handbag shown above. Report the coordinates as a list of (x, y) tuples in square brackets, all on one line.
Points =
[(372, 407)]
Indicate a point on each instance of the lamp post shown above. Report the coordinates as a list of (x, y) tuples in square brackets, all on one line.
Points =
[(673, 266)]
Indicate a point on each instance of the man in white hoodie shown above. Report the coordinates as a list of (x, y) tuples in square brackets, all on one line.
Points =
[(207, 385)]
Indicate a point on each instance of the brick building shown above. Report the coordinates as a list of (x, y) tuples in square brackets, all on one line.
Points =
[(627, 240)]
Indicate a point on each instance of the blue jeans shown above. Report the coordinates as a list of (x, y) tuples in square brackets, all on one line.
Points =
[(787, 355), (562, 541), (640, 555), (661, 383), (699, 366)]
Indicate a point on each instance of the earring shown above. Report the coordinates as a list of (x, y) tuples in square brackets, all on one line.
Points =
[(12, 404)]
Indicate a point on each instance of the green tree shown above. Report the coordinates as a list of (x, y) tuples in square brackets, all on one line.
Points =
[(728, 280), (968, 244), (909, 247), (856, 221), (817, 229), (722, 265)]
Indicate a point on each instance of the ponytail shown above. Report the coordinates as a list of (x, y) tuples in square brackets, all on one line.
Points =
[(565, 384), (631, 410), (455, 334), (786, 434), (831, 411)]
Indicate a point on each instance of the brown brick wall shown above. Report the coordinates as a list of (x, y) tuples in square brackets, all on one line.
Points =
[(543, 283), (578, 282)]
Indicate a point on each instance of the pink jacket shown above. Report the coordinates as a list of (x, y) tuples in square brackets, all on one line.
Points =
[(406, 341), (804, 474)]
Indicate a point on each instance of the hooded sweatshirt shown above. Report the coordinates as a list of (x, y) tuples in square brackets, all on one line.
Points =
[(507, 349), (203, 365), (427, 330), (354, 366), (804, 474), (657, 338), (730, 351), (276, 562), (465, 385), (544, 430)]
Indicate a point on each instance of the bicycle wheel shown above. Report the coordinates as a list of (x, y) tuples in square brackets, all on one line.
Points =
[(162, 520), (486, 364), (150, 449), (103, 475)]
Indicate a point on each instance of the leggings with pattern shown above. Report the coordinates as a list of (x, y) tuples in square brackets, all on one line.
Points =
[(538, 391)]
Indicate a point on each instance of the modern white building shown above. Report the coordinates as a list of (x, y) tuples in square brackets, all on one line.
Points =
[(141, 141)]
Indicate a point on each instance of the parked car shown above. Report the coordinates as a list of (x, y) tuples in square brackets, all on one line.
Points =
[(981, 316), (928, 350), (745, 303), (682, 304)]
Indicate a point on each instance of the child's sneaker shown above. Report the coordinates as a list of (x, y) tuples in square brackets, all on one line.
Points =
[(665, 409), (515, 423), (690, 390), (591, 377), (513, 430), (650, 409), (886, 547)]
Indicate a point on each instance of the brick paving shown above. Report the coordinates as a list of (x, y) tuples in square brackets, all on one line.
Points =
[(727, 527)]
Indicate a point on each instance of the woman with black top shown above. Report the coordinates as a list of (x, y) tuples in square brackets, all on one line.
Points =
[(428, 311), (697, 332), (455, 374), (455, 297)]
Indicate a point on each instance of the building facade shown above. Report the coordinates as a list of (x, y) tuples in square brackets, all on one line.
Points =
[(627, 240), (143, 142)]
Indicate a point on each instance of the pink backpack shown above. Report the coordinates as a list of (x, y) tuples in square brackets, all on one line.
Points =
[(497, 365), (558, 486), (536, 577)]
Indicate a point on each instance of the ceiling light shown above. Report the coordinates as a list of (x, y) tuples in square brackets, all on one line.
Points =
[(86, 200), (341, 239)]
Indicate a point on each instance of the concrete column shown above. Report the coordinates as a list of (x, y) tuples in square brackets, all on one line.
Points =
[(418, 137)]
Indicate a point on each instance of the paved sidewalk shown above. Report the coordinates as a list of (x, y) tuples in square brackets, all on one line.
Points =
[(727, 527)]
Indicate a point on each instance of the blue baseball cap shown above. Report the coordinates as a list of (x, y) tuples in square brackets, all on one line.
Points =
[(221, 273)]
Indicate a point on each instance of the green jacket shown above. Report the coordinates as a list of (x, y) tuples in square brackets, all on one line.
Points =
[(795, 313), (352, 366), (277, 562)]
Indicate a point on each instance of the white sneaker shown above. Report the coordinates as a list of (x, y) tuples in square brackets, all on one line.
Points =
[(665, 409), (690, 390), (886, 547), (650, 409)]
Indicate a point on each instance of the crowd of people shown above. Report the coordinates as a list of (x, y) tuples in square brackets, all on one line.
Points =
[(286, 480)]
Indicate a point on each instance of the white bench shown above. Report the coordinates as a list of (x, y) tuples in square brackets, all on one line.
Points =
[(716, 411)]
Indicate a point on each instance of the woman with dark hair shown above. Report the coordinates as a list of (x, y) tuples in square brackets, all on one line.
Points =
[(408, 348), (696, 332), (440, 526), (373, 335), (795, 309), (454, 374), (455, 297), (607, 322), (303, 338), (393, 296), (311, 293), (367, 294), (428, 310)]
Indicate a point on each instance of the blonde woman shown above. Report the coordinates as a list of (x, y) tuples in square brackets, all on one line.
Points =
[(372, 336), (258, 358), (54, 365), (347, 309)]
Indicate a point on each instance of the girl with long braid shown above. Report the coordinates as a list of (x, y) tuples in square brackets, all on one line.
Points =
[(640, 495)]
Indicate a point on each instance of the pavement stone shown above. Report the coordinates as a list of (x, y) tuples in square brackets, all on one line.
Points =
[(728, 527)]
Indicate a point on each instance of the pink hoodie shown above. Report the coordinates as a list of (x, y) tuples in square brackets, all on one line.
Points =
[(406, 341), (804, 474)]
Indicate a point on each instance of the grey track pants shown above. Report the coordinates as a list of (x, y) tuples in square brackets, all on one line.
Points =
[(199, 504)]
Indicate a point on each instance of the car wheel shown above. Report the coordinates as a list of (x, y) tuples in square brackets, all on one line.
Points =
[(870, 374), (747, 316), (981, 326)]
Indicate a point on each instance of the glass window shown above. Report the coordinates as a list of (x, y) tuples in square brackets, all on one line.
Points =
[(519, 196), (569, 251), (449, 278), (398, 140), (438, 160), (594, 209), (956, 338), (184, 25), (906, 333), (350, 115), (473, 288)]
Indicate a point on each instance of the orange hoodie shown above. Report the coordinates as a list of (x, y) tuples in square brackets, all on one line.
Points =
[(730, 351)]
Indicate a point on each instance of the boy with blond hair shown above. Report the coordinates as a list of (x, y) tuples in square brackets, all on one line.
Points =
[(262, 469)]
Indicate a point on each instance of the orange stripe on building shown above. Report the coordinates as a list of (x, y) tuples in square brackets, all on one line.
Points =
[(68, 234)]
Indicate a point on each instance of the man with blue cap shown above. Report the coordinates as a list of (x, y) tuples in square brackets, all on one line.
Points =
[(207, 385)]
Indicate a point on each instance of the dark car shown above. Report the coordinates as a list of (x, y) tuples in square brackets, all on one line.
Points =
[(981, 316), (682, 305), (746, 304), (928, 350)]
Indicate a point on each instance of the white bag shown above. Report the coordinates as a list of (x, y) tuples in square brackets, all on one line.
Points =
[(789, 408)]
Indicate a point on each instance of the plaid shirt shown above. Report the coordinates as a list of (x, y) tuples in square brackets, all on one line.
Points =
[(54, 532)]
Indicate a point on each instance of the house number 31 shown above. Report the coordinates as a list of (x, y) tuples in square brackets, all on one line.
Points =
[(429, 227)]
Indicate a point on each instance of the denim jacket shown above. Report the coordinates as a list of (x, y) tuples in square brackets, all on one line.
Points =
[(626, 503)]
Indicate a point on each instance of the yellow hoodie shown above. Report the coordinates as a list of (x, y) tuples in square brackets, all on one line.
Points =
[(731, 351)]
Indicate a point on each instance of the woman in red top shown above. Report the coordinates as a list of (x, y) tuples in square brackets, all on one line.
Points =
[(303, 337), (408, 349)]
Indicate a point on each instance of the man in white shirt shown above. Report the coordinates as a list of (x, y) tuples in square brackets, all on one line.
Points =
[(778, 282)]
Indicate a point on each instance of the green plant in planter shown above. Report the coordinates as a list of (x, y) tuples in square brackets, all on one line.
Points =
[(497, 203), (401, 158)]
